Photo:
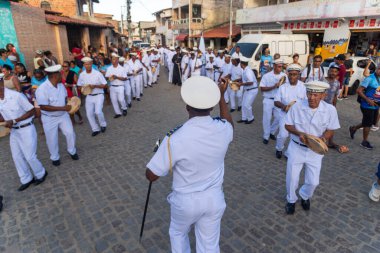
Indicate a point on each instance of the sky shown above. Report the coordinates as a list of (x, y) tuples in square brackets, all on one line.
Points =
[(141, 9)]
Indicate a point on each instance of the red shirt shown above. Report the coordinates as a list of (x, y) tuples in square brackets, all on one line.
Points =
[(77, 51), (342, 73)]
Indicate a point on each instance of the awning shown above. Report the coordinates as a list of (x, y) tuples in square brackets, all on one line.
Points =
[(73, 21), (181, 37), (220, 32)]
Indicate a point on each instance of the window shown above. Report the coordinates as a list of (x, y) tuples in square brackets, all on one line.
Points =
[(45, 5), (285, 48), (273, 47), (300, 47), (247, 49)]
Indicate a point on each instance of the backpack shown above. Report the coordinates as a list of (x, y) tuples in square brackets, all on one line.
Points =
[(309, 68)]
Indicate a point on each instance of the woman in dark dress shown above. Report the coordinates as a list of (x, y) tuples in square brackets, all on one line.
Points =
[(177, 58)]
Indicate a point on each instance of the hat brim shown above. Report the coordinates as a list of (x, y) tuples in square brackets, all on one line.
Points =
[(200, 92)]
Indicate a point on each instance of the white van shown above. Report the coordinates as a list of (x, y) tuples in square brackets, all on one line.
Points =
[(253, 45)]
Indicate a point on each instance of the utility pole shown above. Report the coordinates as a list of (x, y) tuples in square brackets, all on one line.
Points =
[(129, 20), (190, 19), (231, 16), (121, 23)]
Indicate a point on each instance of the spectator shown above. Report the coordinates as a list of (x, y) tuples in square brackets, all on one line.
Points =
[(38, 59), (374, 194), (24, 78), (10, 80), (102, 50), (341, 77), (313, 72), (296, 58), (4, 58), (318, 49), (50, 59), (78, 54), (348, 64), (266, 62), (371, 52), (75, 68), (38, 78), (368, 107), (12, 51)]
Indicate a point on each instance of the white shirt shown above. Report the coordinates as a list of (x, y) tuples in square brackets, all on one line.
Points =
[(154, 57), (210, 70), (195, 63), (316, 74), (184, 61), (47, 94), (236, 55), (236, 72), (170, 57), (146, 60), (315, 123), (226, 69), (198, 150), (249, 76), (94, 78), (288, 93), (14, 105), (134, 66), (118, 71), (269, 80), (208, 56)]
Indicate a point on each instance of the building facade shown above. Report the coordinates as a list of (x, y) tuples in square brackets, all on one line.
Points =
[(164, 32)]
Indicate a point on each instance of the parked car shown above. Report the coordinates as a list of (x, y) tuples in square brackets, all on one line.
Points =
[(144, 45), (359, 64)]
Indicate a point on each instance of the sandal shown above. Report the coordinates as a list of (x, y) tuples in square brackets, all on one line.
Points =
[(342, 149)]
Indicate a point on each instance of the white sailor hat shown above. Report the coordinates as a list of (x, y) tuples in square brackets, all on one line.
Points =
[(244, 59), (227, 56), (86, 59), (211, 56), (200, 92), (121, 59), (155, 50), (235, 57), (220, 51), (39, 51), (317, 86), (294, 67), (192, 52), (210, 48), (53, 69), (115, 55), (12, 58), (195, 48), (279, 61), (132, 54), (171, 48), (185, 51)]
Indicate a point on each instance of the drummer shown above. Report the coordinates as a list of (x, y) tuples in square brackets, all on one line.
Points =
[(315, 117), (95, 100), (18, 114), (52, 98)]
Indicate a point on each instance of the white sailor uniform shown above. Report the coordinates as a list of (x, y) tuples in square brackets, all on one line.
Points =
[(147, 73), (170, 65), (156, 65), (117, 88), (136, 78), (95, 100), (236, 73), (194, 65), (249, 95), (268, 80), (309, 121), (185, 61), (47, 94), (23, 138), (197, 150), (226, 70), (210, 70), (286, 94), (128, 86)]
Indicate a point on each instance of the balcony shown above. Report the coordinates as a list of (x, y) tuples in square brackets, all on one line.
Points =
[(161, 29), (179, 24)]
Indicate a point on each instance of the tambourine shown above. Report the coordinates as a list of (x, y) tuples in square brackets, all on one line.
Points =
[(316, 144), (234, 86), (75, 103), (4, 131), (153, 70), (86, 89)]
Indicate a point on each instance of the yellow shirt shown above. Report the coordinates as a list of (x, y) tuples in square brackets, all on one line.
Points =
[(318, 51)]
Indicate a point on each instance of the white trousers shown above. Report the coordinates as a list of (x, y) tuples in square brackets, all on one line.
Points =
[(269, 110), (171, 68), (155, 75), (51, 126), (205, 211), (128, 91), (299, 157), (185, 75), (283, 134), (239, 95), (23, 144), (118, 98), (94, 108), (246, 107), (136, 83), (147, 77), (227, 94)]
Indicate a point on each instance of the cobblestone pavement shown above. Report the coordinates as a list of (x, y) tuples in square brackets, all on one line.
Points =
[(95, 204)]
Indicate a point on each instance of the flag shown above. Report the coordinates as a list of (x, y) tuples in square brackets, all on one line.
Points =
[(202, 48)]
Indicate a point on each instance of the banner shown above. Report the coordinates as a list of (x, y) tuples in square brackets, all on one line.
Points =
[(335, 41)]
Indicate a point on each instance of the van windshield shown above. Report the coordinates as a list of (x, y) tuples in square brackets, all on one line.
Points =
[(247, 49)]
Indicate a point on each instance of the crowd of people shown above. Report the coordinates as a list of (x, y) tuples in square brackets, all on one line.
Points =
[(297, 101)]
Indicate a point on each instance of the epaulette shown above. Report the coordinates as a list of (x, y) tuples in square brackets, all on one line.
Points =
[(173, 131), (219, 119)]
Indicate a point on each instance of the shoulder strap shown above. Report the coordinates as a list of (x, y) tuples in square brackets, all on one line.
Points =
[(308, 71)]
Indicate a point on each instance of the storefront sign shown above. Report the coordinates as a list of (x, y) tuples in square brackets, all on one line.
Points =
[(335, 41)]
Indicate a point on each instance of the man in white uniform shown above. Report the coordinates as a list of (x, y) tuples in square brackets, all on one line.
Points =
[(235, 76), (250, 85), (310, 116), (219, 62), (195, 64), (209, 53), (18, 114), (197, 197), (52, 98), (135, 75), (127, 83), (185, 66), (269, 86), (154, 62), (170, 55), (147, 74), (226, 70), (292, 90), (210, 68), (95, 100), (117, 75)]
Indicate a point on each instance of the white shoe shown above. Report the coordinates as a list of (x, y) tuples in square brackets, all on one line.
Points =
[(374, 194), (374, 128)]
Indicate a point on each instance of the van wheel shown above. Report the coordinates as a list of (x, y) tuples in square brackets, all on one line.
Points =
[(353, 88)]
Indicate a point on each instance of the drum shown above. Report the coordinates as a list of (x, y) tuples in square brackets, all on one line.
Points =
[(316, 144), (153, 70), (75, 103), (4, 131), (86, 89), (234, 86)]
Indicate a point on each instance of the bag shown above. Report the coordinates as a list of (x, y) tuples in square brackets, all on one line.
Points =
[(309, 69)]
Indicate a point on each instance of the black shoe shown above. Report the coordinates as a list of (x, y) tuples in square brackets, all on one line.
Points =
[(278, 154), (41, 180), (103, 129), (241, 121), (141, 95), (1, 203), (138, 99), (75, 156), (249, 121), (290, 208), (56, 163), (134, 98), (272, 137), (232, 110), (366, 145), (265, 141), (239, 108), (95, 133), (305, 204), (125, 113), (117, 116), (130, 105), (25, 186), (352, 132)]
